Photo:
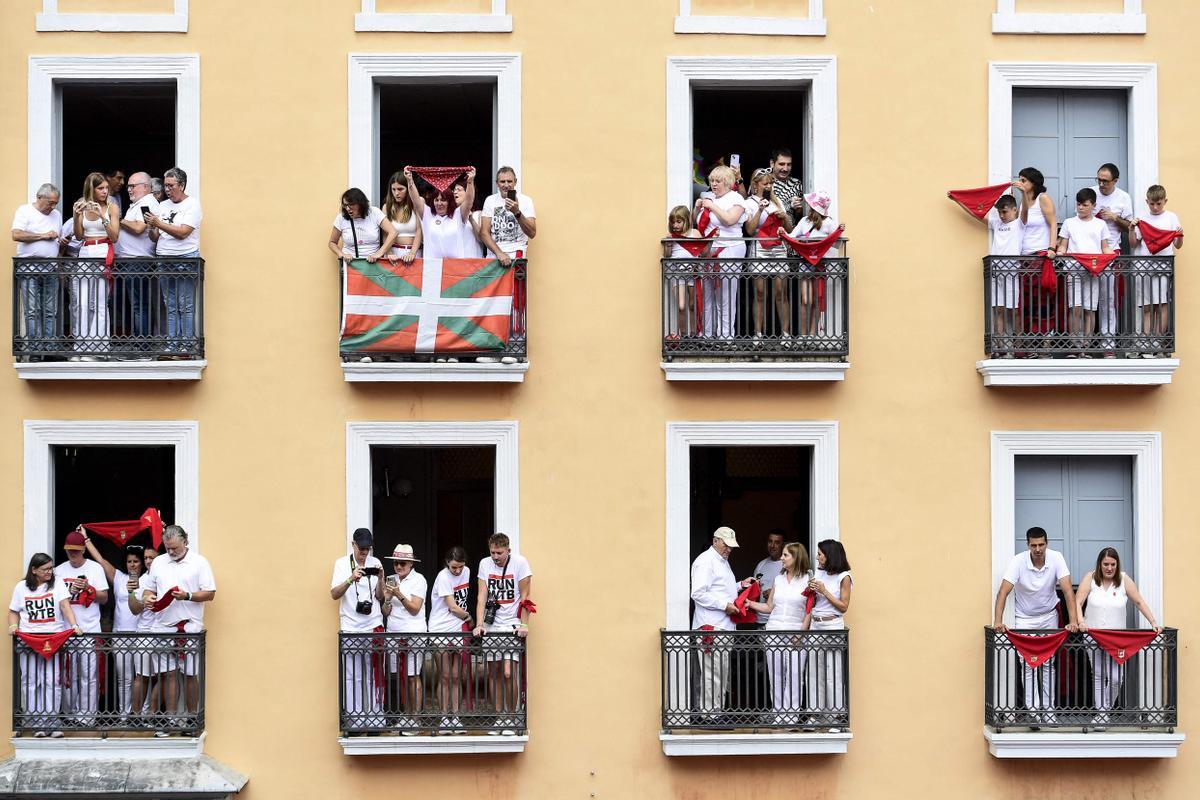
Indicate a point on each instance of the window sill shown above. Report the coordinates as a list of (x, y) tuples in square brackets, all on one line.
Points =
[(428, 372), (754, 744), (755, 371), (753, 26), (1080, 372), (430, 745), (1099, 24), (115, 746), (434, 23), (112, 370), (1116, 744)]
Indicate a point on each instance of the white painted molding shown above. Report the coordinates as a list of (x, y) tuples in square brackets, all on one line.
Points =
[(44, 139), (818, 74), (430, 745), (81, 750), (502, 435), (498, 21), (1146, 449), (52, 20), (822, 437), (752, 371), (1081, 372), (755, 744), (428, 372), (1141, 80), (812, 25), (365, 69), (41, 435), (112, 370), (1115, 744), (1008, 20)]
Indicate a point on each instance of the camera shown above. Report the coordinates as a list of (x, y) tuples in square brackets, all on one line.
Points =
[(489, 611), (363, 607), (372, 571)]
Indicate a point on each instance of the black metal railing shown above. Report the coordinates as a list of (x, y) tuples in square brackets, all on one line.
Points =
[(432, 683), (138, 309), (102, 682), (1081, 686), (756, 308), (515, 349), (766, 680), (1035, 310)]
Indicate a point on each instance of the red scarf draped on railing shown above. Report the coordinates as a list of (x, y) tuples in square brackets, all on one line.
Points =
[(1094, 263), (978, 202), (1121, 645), (121, 531), (378, 676), (440, 178), (1156, 239), (707, 640), (813, 252), (748, 595), (693, 246), (45, 644), (1036, 649)]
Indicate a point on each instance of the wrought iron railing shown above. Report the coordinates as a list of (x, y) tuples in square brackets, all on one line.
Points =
[(70, 309), (1032, 310), (763, 680), (756, 308), (102, 682), (1081, 686), (432, 683)]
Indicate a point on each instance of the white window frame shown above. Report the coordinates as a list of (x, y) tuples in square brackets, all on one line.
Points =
[(1008, 20), (501, 434), (42, 435), (366, 68), (821, 436), (1145, 447), (44, 109), (498, 21), (818, 74), (52, 20), (1140, 80), (812, 25)]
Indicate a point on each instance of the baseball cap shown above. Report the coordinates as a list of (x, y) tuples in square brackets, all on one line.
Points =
[(726, 535)]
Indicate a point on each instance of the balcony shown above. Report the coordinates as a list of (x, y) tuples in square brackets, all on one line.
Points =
[(755, 692), (1057, 709), (415, 331), (427, 693), (1033, 338), (143, 319), (788, 320)]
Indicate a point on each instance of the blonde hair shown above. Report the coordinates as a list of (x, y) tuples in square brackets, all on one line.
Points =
[(680, 213), (816, 217), (1156, 194), (760, 177), (90, 183), (801, 563), (723, 172), (402, 211)]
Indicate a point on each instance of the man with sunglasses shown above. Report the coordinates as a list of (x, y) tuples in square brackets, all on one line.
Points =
[(135, 242), (358, 587), (1115, 207)]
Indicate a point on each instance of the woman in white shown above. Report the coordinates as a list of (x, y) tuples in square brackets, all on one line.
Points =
[(1041, 233), (404, 605), (767, 247), (727, 211), (143, 662), (41, 604), (826, 665), (445, 227), (448, 614), (1107, 591), (97, 224), (398, 210), (785, 658), (815, 226), (125, 620), (472, 242), (361, 230)]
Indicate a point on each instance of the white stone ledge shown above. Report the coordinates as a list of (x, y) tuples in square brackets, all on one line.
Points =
[(755, 371), (754, 744), (1099, 24), (1097, 744), (429, 372), (434, 23), (111, 370), (115, 747), (752, 26), (430, 745), (1077, 372)]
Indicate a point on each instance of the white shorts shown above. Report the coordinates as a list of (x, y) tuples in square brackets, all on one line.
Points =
[(174, 654), (499, 648), (1006, 291), (1151, 290), (410, 651), (1083, 290), (764, 255)]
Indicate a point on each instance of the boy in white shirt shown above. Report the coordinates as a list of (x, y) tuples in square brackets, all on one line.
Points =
[(1084, 233), (1153, 293), (1007, 232)]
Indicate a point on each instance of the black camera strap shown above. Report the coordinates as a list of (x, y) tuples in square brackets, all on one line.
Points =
[(357, 598)]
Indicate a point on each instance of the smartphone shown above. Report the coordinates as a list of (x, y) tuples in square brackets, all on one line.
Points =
[(145, 211), (393, 580), (510, 194), (735, 160)]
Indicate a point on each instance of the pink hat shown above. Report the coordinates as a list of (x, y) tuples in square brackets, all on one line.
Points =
[(403, 552), (819, 200)]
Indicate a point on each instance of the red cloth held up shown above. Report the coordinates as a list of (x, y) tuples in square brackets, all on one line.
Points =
[(440, 178), (165, 600), (84, 598), (1036, 649), (978, 202), (813, 252), (45, 644), (748, 595), (1121, 645), (693, 246), (810, 601), (121, 531), (1094, 263), (1156, 239)]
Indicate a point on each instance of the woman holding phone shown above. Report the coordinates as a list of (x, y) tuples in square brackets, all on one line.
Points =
[(404, 604), (97, 224)]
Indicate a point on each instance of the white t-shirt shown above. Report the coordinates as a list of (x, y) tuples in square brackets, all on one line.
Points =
[(352, 621), (30, 220), (1084, 236), (806, 230), (401, 619), (1006, 236), (447, 585), (472, 247), (186, 213), (88, 618), (145, 620), (1034, 589), (130, 246), (770, 571), (40, 608), (833, 582), (1121, 204), (368, 232), (505, 586), (506, 228), (124, 620), (727, 201), (1166, 221), (444, 237), (789, 603), (191, 573)]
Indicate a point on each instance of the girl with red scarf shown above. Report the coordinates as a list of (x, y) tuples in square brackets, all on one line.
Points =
[(679, 228), (814, 227), (764, 223)]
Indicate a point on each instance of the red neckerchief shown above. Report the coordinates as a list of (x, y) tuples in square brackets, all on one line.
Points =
[(692, 246), (165, 600), (978, 202), (121, 531), (768, 231), (1156, 239), (45, 644), (1048, 279), (1121, 645), (1094, 263), (748, 595), (440, 178), (1037, 649), (813, 252)]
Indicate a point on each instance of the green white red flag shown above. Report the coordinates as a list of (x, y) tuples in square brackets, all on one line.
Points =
[(433, 305)]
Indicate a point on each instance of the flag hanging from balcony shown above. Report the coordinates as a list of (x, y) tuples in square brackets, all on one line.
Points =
[(45, 644), (1156, 239), (813, 252), (434, 305), (1094, 263), (978, 202), (1037, 649), (121, 531), (440, 178), (1121, 645)]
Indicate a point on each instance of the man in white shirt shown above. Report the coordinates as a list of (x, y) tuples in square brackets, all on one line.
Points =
[(87, 586), (505, 581), (769, 568), (1032, 578), (176, 230), (506, 225), (135, 242), (714, 589), (36, 229), (1115, 207), (187, 578), (358, 587)]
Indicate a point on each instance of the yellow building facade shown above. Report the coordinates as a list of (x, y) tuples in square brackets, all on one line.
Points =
[(913, 452)]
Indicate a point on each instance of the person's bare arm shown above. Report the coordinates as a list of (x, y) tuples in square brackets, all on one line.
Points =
[(1140, 603), (418, 202), (524, 586), (464, 211), (1051, 220), (1001, 599), (335, 243), (1080, 597), (109, 570), (485, 232), (389, 236), (25, 237), (202, 596), (480, 602)]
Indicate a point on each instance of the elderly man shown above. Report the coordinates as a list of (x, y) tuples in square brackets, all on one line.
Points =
[(1115, 207), (135, 242), (358, 587), (714, 590), (36, 228), (88, 588), (186, 578), (1032, 578), (176, 230)]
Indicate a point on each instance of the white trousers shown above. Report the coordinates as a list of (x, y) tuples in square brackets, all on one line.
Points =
[(1106, 679), (709, 692), (1039, 681), (358, 685), (41, 690), (1106, 314), (826, 673), (785, 666), (720, 295), (83, 691), (89, 303), (122, 661)]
